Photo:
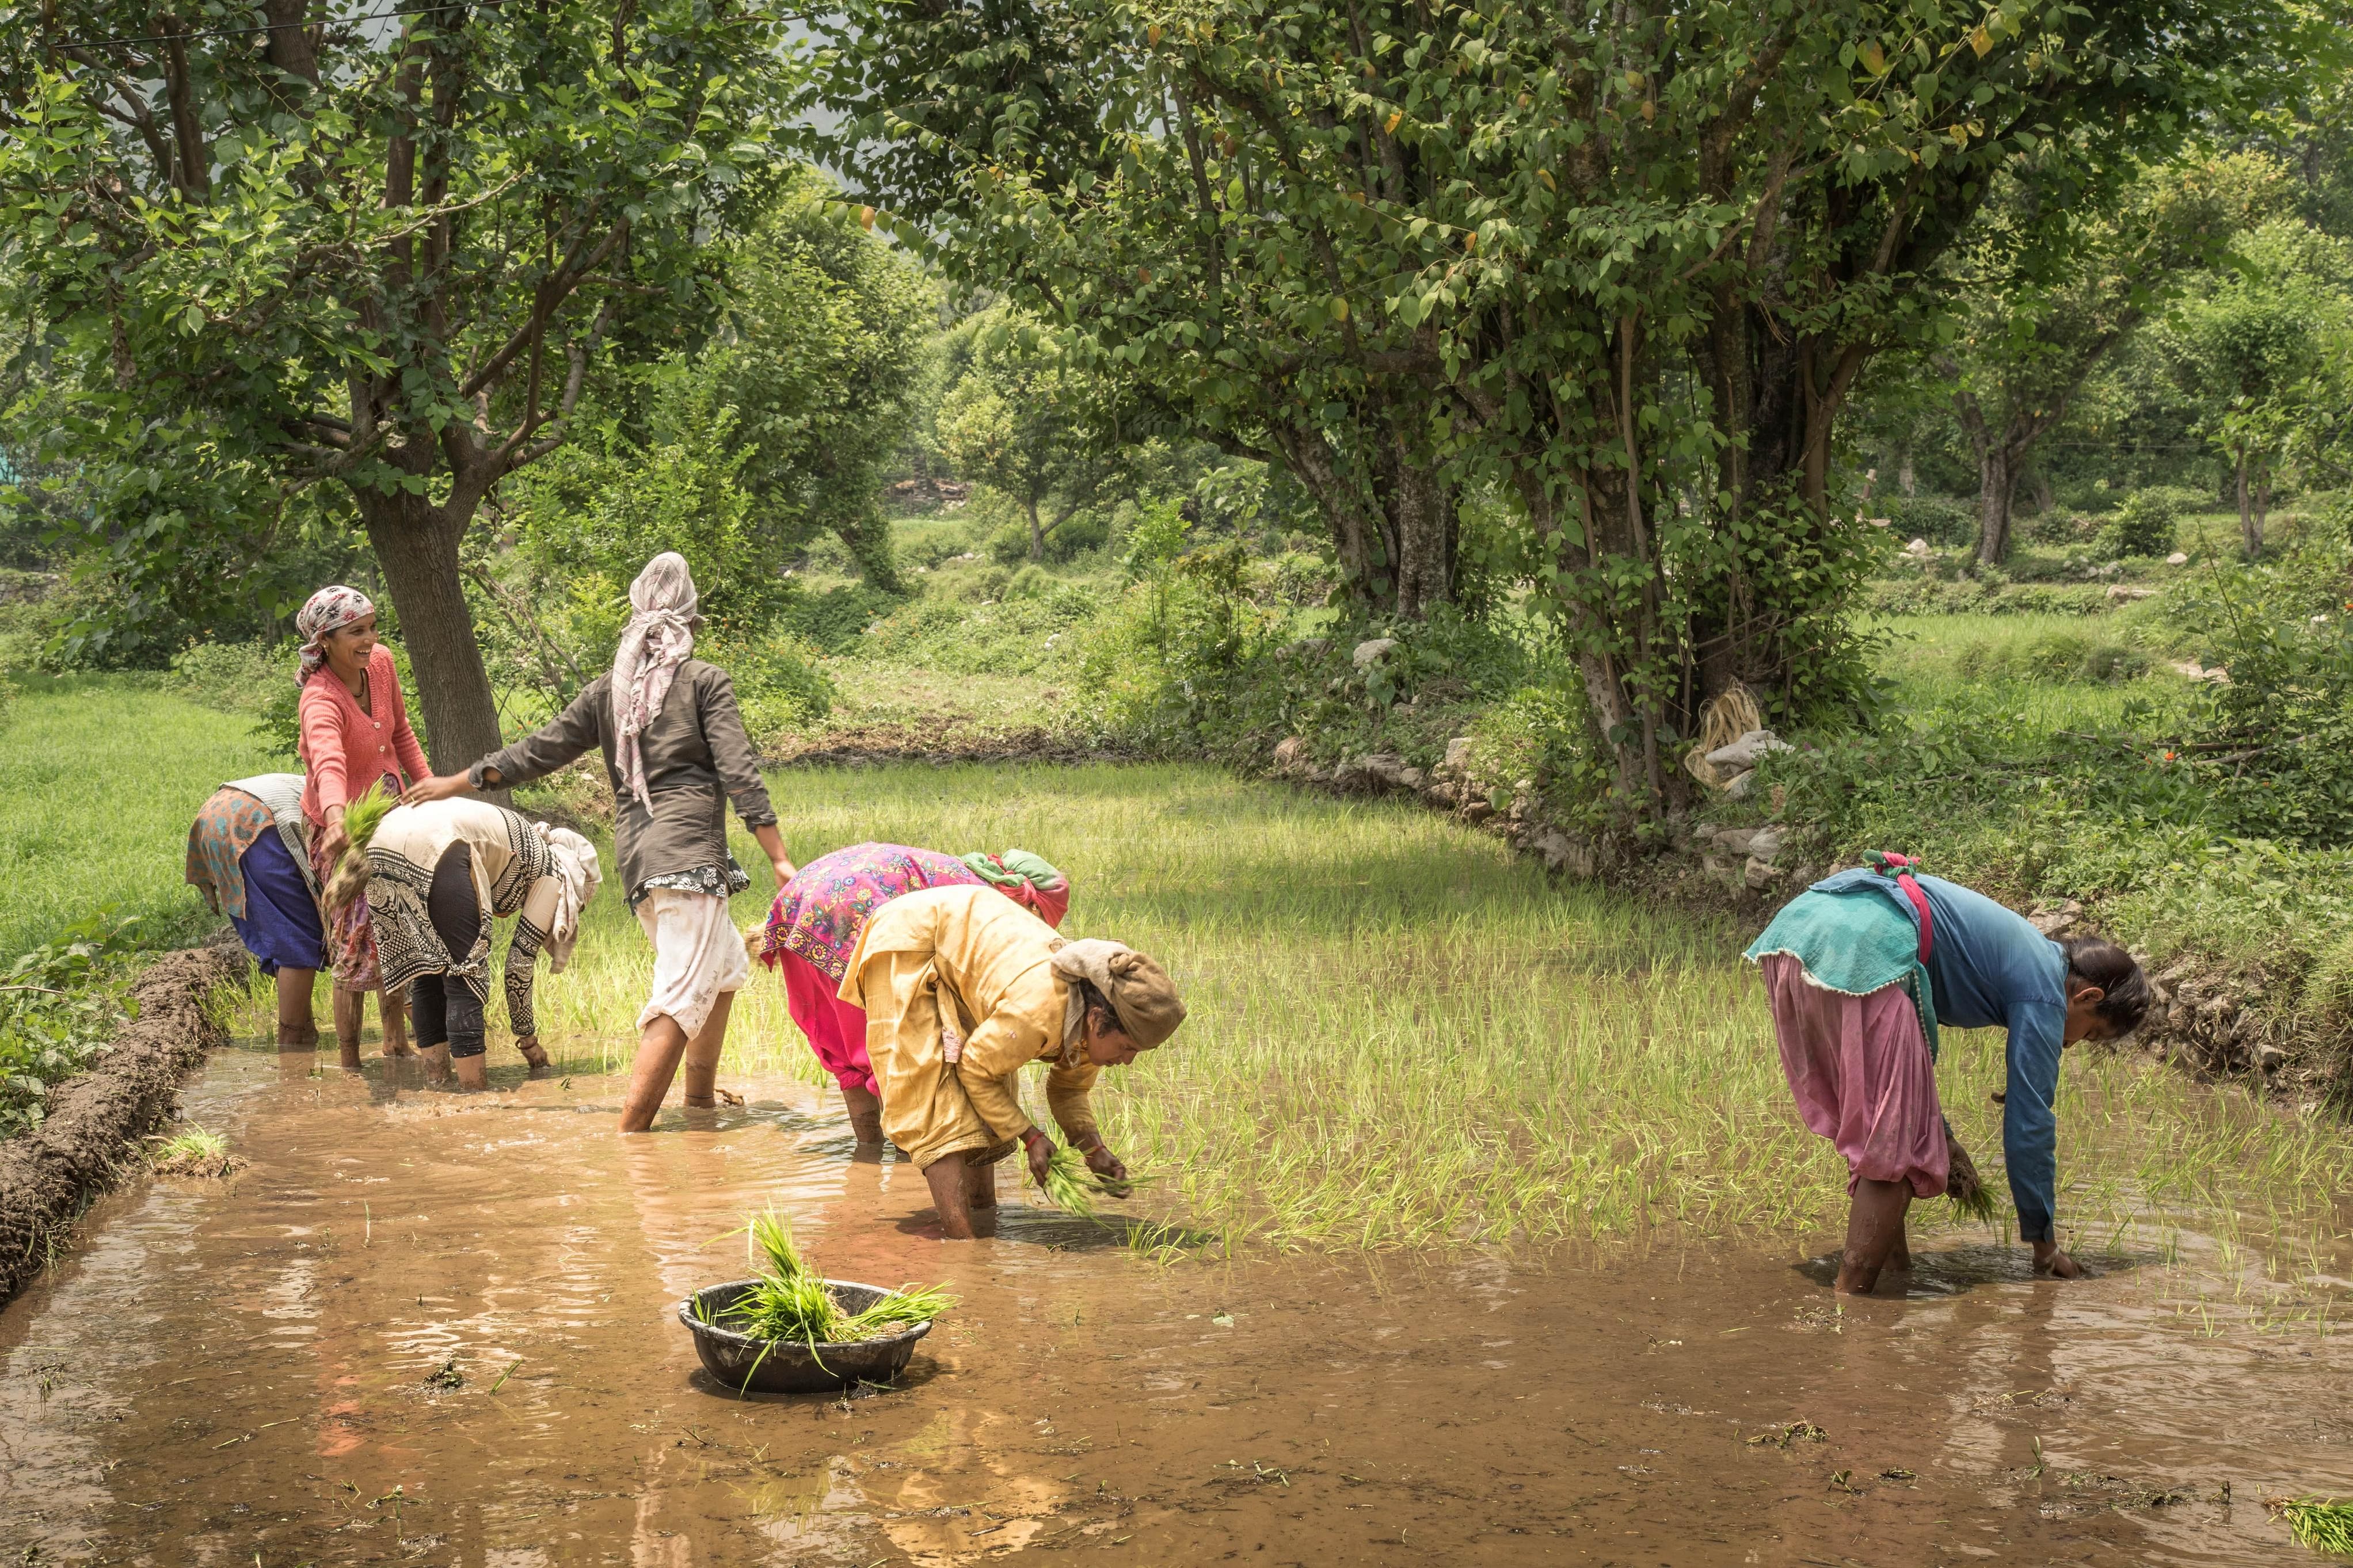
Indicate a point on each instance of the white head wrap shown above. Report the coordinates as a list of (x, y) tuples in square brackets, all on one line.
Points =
[(661, 637), (577, 877)]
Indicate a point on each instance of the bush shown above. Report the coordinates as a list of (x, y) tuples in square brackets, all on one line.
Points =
[(59, 1007), (235, 677), (779, 685), (1945, 521), (832, 621), (2145, 525)]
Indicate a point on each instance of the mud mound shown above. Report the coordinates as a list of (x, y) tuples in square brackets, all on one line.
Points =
[(95, 1121)]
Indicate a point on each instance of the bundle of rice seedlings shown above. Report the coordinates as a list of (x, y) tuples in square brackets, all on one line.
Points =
[(361, 819), (1964, 1185), (1069, 1184), (194, 1151), (788, 1300), (2323, 1525)]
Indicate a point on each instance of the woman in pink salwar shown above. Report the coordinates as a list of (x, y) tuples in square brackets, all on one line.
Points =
[(817, 917)]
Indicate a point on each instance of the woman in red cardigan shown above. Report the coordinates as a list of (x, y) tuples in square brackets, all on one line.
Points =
[(355, 731)]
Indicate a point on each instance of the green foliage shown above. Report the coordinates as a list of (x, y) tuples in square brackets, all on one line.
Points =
[(2145, 525), (1414, 256), (821, 360), (61, 1005), (780, 686), (329, 277), (2284, 721), (1947, 521)]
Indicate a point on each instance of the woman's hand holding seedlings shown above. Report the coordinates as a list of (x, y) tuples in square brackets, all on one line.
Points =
[(1041, 1154), (1102, 1161)]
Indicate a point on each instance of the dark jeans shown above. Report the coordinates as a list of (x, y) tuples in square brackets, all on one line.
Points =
[(443, 1008)]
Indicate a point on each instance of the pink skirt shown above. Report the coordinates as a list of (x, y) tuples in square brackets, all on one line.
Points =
[(836, 1030), (1859, 1068)]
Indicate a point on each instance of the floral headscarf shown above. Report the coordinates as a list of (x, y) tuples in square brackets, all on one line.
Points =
[(328, 611), (661, 637), (1029, 881)]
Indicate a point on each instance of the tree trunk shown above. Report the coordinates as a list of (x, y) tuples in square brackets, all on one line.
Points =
[(2250, 529), (1997, 481), (1904, 479), (1037, 534), (416, 548), (2038, 486), (1421, 516)]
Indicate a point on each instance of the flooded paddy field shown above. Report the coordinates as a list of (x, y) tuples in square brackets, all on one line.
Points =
[(422, 1328)]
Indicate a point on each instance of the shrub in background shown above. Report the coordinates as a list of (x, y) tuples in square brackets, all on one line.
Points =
[(2145, 525)]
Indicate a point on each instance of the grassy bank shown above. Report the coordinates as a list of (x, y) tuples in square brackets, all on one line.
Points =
[(1400, 1035), (100, 776)]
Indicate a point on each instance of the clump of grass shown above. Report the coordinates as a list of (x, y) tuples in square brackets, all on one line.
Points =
[(194, 1151), (2323, 1525), (1964, 1185), (789, 1300)]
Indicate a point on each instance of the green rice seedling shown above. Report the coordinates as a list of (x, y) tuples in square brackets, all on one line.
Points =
[(897, 1313), (193, 1151), (1069, 1184), (789, 1300), (2323, 1525), (1965, 1187), (363, 816)]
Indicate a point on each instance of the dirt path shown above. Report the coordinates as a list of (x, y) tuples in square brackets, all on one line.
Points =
[(428, 1330)]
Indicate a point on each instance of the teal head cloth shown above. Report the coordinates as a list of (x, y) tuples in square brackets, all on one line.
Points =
[(1027, 880)]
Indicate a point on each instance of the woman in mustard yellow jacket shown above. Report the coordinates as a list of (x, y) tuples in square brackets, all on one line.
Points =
[(962, 988)]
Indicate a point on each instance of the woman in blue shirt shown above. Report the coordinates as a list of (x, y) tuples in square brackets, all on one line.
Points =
[(1863, 968)]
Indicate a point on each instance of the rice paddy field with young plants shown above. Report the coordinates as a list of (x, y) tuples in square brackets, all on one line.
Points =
[(1484, 1136)]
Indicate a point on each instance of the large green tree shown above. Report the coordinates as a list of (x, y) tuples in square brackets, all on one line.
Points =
[(1624, 260), (2261, 347), (383, 250), (2056, 277)]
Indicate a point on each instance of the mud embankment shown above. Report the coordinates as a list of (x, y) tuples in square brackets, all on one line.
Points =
[(49, 1174)]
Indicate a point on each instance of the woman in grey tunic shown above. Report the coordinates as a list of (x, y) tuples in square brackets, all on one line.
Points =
[(676, 754)]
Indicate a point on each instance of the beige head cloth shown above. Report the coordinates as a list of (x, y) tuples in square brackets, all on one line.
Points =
[(1139, 990)]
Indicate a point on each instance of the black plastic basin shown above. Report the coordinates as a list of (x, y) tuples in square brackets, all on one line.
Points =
[(793, 1366)]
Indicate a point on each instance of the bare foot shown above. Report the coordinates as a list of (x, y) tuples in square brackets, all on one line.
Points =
[(398, 1048)]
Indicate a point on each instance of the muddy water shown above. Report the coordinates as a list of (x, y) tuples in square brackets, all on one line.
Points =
[(428, 1329)]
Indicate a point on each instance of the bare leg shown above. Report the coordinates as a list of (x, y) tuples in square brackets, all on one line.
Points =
[(1874, 1227), (659, 1050), (473, 1072), (297, 1027), (950, 1181), (980, 1195), (436, 1062), (702, 1054), (392, 1012), (865, 1109), (351, 1012)]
